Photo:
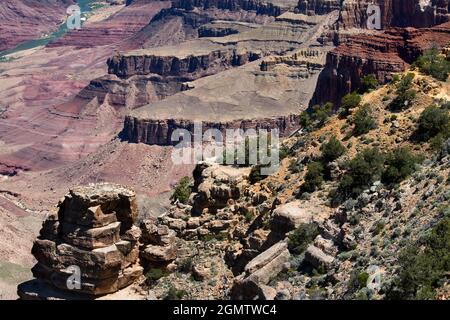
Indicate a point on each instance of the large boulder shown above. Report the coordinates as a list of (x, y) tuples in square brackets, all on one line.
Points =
[(289, 216), (158, 241), (259, 271), (317, 258)]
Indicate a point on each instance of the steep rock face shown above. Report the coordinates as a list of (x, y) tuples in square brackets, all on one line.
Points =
[(159, 132), (128, 65), (395, 13), (261, 7), (94, 233), (28, 19), (379, 53), (312, 7)]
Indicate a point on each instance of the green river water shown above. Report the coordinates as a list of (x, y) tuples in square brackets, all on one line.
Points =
[(85, 6)]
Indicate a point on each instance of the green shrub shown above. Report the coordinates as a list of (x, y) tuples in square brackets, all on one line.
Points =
[(362, 172), (255, 174), (305, 120), (434, 121), (299, 240), (368, 83), (400, 164), (363, 121), (332, 150), (155, 274), (434, 64), (182, 190), (322, 113), (349, 101), (316, 117), (285, 152), (405, 94), (185, 265), (175, 294), (423, 268), (313, 177)]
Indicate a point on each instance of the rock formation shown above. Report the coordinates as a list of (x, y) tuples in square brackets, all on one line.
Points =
[(93, 233), (261, 7), (395, 13), (313, 7), (379, 53)]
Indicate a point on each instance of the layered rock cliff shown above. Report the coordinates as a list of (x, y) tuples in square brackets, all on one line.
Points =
[(377, 53), (395, 13), (191, 66), (312, 7), (260, 7)]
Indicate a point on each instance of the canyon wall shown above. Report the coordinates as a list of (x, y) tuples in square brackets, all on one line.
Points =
[(159, 132), (395, 13), (312, 7), (128, 65), (380, 54), (259, 7)]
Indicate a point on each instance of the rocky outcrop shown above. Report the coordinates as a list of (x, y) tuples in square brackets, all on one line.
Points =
[(190, 67), (312, 7), (216, 186), (160, 132), (290, 216), (259, 271), (92, 237), (261, 7), (395, 13), (158, 242), (380, 54)]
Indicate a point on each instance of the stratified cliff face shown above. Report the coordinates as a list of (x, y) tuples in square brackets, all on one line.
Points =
[(130, 64), (380, 54), (396, 13), (160, 132), (261, 7), (312, 7), (22, 20)]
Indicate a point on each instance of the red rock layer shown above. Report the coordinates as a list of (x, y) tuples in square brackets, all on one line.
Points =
[(381, 54), (395, 13)]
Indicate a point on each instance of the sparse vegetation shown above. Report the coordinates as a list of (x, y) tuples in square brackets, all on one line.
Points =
[(362, 171), (349, 101), (316, 117), (405, 94), (363, 121), (313, 177), (423, 266), (155, 274), (332, 150), (368, 83), (434, 123), (174, 294), (182, 190), (434, 64), (400, 164), (299, 240)]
